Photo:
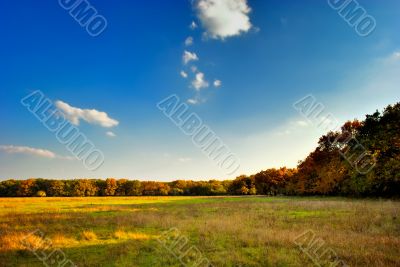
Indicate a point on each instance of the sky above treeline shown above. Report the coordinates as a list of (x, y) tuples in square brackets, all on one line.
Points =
[(238, 65)]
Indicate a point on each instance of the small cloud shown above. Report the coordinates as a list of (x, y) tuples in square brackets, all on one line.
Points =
[(286, 132), (199, 82), (44, 153), (396, 55), (302, 123), (91, 116), (65, 157), (224, 18), (188, 56), (189, 41), (193, 25), (392, 58), (183, 74), (110, 134), (256, 29), (193, 101), (184, 160), (217, 83)]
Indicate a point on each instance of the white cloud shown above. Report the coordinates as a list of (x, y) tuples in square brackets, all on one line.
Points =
[(193, 25), (193, 101), (199, 82), (217, 83), (92, 116), (110, 134), (189, 41), (184, 74), (28, 150), (224, 18), (44, 153), (189, 56)]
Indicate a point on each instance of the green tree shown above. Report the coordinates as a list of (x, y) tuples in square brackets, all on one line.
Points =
[(133, 188)]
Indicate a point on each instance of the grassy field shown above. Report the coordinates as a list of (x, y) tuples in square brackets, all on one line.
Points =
[(228, 231)]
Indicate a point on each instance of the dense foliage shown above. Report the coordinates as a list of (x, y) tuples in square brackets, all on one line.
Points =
[(362, 159)]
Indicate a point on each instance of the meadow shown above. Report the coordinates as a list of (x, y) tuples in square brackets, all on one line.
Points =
[(228, 231)]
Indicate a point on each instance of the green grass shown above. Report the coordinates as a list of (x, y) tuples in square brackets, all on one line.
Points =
[(229, 231)]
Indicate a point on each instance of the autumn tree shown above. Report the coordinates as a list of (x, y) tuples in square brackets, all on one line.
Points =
[(272, 181), (84, 188), (121, 187), (243, 185), (56, 188), (111, 187), (27, 188)]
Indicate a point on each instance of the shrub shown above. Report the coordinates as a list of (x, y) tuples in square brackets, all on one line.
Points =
[(41, 193)]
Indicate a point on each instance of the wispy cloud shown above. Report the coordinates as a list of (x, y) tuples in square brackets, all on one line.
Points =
[(189, 41), (395, 56), (183, 74), (193, 101), (92, 116), (184, 160), (193, 25), (110, 134), (189, 56), (44, 153), (302, 123), (223, 18)]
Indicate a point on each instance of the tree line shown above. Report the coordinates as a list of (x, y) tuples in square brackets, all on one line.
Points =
[(333, 168)]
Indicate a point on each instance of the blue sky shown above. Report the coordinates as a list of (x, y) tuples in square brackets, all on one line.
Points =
[(265, 58)]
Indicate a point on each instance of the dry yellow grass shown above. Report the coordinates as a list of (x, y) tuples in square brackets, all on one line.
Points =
[(89, 235), (230, 231), (130, 235)]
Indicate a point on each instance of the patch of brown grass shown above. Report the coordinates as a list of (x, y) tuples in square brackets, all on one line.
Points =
[(88, 235), (131, 235), (20, 241)]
